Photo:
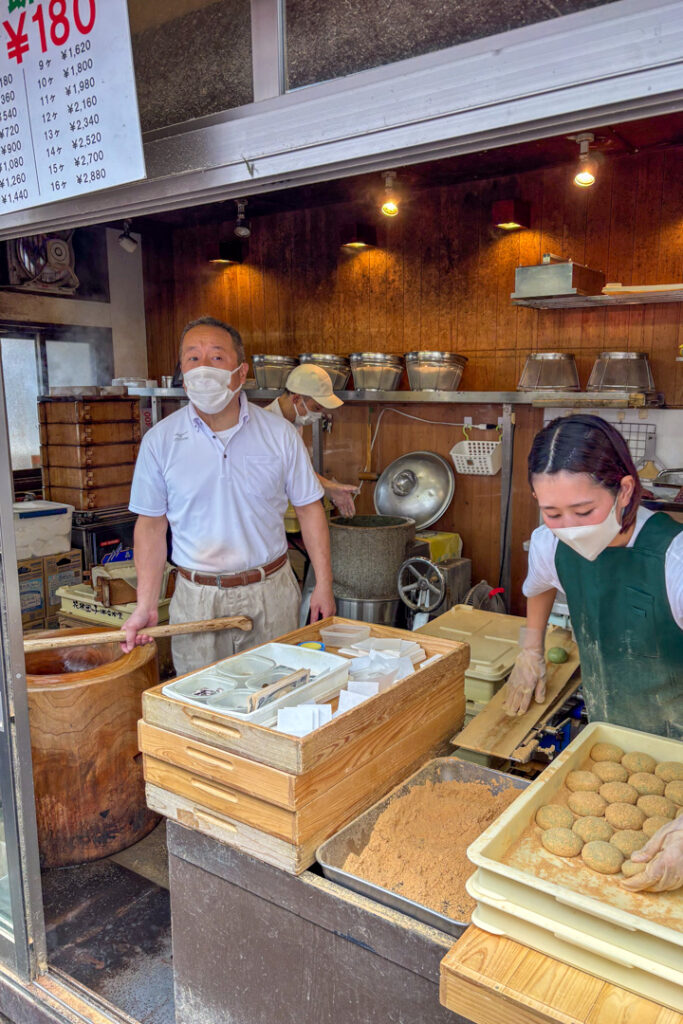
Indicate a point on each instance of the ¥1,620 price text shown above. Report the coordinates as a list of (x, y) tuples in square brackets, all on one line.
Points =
[(54, 23)]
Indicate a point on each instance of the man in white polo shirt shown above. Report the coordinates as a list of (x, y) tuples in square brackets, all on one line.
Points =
[(221, 471), (308, 396)]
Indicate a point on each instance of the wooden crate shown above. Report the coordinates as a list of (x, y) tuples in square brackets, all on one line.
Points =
[(88, 410), (278, 796), (85, 434), (88, 456), (87, 498), (86, 479)]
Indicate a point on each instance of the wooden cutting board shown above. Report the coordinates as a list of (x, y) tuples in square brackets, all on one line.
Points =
[(494, 733)]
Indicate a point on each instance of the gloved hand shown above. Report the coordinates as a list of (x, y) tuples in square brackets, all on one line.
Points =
[(663, 856), (527, 678)]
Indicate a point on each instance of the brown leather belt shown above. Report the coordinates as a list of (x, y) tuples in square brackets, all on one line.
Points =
[(234, 579)]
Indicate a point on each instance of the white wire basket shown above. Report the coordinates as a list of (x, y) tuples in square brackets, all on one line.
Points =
[(478, 458)]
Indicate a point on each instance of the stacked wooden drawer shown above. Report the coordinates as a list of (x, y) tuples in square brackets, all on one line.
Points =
[(88, 449), (278, 797)]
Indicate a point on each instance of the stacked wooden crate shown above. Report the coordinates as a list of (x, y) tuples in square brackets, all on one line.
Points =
[(88, 448), (278, 797)]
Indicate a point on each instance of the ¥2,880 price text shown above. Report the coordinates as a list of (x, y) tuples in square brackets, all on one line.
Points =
[(48, 24)]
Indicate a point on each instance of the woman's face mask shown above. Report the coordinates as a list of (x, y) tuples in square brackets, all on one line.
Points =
[(591, 540), (308, 417), (208, 388)]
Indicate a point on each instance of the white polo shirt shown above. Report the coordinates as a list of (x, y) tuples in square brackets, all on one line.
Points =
[(225, 503)]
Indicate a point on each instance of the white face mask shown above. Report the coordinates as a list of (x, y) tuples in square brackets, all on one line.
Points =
[(208, 388), (590, 541), (308, 418)]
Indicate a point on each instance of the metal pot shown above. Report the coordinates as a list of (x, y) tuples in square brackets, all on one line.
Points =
[(549, 371), (381, 611), (338, 367), (376, 371), (272, 371), (434, 371), (669, 478), (621, 371)]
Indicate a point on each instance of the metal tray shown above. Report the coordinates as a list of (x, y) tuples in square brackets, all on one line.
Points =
[(354, 837)]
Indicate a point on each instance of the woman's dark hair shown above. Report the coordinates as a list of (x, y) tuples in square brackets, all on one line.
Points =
[(587, 444)]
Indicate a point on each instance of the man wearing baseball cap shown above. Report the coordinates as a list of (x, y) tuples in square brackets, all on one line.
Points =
[(308, 397)]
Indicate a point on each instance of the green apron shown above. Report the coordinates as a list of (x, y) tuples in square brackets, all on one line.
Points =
[(630, 646)]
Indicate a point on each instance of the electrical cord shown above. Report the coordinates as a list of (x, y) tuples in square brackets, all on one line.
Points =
[(420, 419)]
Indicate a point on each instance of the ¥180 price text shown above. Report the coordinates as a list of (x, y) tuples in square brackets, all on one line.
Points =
[(45, 24)]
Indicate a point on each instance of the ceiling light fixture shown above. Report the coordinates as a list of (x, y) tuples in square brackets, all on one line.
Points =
[(126, 240), (585, 175), (511, 214), (242, 229), (390, 203), (359, 236), (234, 250)]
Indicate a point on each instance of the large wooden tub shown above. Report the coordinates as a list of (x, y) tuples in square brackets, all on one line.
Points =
[(84, 705)]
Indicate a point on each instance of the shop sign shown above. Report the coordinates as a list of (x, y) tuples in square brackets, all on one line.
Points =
[(69, 120)]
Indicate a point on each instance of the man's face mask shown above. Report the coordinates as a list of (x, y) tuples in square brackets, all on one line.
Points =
[(208, 388)]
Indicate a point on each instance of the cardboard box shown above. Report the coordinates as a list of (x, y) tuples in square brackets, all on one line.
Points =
[(64, 570), (31, 590), (33, 626)]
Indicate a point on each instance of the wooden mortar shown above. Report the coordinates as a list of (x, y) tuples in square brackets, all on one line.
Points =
[(84, 704)]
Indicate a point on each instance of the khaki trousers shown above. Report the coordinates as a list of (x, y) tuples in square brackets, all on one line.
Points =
[(272, 605)]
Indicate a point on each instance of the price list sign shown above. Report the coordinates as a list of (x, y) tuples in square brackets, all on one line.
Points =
[(68, 108)]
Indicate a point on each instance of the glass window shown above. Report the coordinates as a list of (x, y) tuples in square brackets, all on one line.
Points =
[(330, 40), (20, 373)]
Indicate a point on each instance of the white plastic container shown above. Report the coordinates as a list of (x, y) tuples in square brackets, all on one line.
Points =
[(561, 907), (42, 528), (342, 634), (329, 674)]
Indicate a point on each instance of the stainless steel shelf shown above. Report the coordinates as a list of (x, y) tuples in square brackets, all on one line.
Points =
[(597, 301), (567, 400)]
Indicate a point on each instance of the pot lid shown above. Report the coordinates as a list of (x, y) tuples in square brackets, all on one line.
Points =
[(419, 485)]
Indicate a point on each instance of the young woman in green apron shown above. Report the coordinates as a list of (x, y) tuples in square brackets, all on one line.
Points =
[(621, 568)]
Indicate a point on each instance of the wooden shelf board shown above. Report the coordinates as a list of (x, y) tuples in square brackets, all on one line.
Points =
[(598, 301)]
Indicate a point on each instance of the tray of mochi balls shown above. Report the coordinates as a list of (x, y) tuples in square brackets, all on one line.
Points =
[(612, 808)]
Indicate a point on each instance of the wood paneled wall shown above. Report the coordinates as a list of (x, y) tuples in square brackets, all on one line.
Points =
[(441, 278)]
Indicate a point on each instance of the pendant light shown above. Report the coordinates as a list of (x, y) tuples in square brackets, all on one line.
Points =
[(233, 250), (359, 236), (390, 202), (585, 174)]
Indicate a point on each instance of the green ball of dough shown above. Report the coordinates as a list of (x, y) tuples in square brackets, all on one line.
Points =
[(592, 829), (670, 770), (625, 816), (657, 805), (602, 857), (646, 783), (618, 793), (628, 840), (674, 791), (587, 803), (637, 761), (562, 841), (582, 782), (610, 771), (554, 816), (606, 752), (557, 655)]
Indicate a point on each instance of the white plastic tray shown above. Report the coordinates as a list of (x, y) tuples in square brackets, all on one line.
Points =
[(330, 670), (566, 895)]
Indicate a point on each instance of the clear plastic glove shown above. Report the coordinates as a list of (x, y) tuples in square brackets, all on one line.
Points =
[(342, 496), (527, 678), (663, 857)]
